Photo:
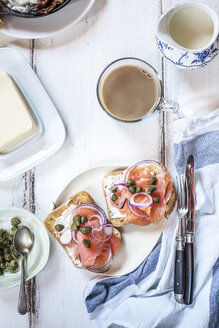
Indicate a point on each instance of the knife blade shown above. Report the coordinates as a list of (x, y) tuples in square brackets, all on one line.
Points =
[(190, 230)]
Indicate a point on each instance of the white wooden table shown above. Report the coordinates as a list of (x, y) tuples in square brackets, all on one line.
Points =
[(68, 66)]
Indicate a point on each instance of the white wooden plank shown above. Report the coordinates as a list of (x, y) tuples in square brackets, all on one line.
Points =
[(14, 193), (69, 66), (196, 91)]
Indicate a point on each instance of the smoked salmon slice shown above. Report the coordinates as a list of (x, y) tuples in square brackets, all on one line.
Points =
[(101, 244), (144, 194)]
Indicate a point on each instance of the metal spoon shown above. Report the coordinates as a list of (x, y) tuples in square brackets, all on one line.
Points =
[(23, 242)]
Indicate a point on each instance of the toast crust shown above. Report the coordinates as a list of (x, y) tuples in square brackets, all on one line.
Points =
[(49, 222), (121, 221)]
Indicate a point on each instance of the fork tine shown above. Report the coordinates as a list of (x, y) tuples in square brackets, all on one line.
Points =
[(178, 191), (181, 192), (186, 194)]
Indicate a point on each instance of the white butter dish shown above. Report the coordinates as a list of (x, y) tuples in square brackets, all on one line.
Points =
[(18, 123), (47, 133)]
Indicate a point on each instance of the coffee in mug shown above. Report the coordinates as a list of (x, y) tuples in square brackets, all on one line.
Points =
[(129, 92), (129, 89)]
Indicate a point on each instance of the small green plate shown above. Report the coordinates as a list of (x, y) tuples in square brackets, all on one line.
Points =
[(38, 257)]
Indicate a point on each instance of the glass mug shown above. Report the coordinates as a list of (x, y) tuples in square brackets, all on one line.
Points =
[(161, 103)]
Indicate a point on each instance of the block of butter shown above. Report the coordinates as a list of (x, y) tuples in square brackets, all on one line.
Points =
[(16, 121)]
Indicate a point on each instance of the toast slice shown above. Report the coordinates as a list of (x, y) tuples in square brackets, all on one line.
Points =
[(50, 222), (113, 178)]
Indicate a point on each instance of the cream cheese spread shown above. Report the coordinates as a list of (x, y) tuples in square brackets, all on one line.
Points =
[(109, 182), (66, 220), (16, 121)]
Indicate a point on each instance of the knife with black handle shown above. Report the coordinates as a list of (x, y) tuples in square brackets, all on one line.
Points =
[(189, 269), (179, 273), (189, 245)]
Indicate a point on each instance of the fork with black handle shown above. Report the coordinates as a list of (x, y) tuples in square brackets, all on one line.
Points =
[(182, 209)]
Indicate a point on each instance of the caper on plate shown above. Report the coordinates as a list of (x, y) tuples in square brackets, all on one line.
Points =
[(8, 255)]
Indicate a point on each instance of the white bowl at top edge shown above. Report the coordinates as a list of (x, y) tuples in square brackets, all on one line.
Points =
[(42, 27)]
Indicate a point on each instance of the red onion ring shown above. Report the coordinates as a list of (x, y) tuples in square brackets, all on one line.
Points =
[(66, 237), (111, 193), (134, 204), (93, 207), (139, 164), (74, 236), (132, 209), (101, 222), (101, 227)]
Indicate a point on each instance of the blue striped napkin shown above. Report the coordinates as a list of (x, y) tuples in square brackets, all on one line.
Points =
[(144, 298)]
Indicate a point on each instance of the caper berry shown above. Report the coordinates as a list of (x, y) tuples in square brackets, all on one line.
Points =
[(15, 255), (156, 199), (150, 189), (132, 189), (6, 250), (13, 266), (13, 229), (15, 222), (114, 197), (130, 182), (86, 243), (77, 220), (83, 219), (3, 237), (85, 230), (59, 227), (8, 257), (7, 265), (153, 180), (2, 265), (138, 189), (10, 238), (74, 227)]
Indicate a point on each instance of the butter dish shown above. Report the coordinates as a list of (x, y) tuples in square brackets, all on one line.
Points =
[(32, 130), (18, 123)]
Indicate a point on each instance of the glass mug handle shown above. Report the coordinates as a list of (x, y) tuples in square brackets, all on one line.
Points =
[(167, 105)]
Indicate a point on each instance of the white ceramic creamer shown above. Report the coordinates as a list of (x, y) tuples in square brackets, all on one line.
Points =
[(187, 35)]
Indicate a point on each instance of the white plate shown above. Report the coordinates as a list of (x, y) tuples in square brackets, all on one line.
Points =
[(42, 27), (38, 256), (137, 242), (53, 131)]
